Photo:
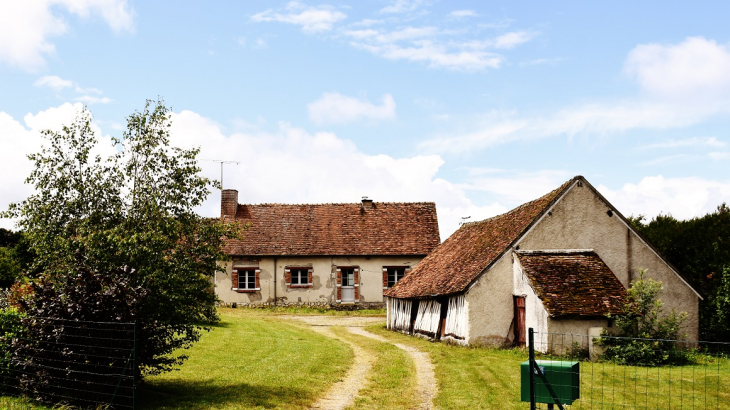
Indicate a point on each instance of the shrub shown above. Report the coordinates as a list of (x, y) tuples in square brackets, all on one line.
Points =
[(647, 335)]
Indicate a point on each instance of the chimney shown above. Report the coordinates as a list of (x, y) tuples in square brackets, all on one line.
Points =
[(229, 203), (367, 203)]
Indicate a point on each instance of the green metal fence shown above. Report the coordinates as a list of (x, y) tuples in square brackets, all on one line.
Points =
[(566, 371)]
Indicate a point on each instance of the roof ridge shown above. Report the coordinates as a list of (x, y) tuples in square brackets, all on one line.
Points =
[(338, 203)]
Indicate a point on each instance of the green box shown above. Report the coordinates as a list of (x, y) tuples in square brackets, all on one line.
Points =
[(564, 378)]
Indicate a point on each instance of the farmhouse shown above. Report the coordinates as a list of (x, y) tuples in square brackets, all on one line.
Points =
[(322, 253), (558, 264)]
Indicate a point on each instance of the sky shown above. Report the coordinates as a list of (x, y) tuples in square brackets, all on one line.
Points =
[(476, 106)]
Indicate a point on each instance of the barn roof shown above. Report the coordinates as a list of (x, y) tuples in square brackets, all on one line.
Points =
[(573, 283), (454, 264), (336, 229)]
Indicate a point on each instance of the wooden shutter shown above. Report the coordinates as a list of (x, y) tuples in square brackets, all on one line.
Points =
[(339, 285), (385, 278), (234, 279), (287, 277), (356, 275), (258, 285), (309, 276)]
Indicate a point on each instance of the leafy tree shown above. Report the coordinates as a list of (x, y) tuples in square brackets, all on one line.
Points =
[(643, 317), (126, 226), (9, 267), (700, 249)]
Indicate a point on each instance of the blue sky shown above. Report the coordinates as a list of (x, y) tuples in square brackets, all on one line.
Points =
[(478, 106)]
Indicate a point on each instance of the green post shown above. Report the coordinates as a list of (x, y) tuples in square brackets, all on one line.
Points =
[(531, 349)]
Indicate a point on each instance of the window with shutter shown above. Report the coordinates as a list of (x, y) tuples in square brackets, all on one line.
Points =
[(245, 280), (356, 275), (392, 274), (299, 277), (339, 285)]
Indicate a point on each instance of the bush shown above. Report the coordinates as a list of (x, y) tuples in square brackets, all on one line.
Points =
[(10, 330), (647, 335)]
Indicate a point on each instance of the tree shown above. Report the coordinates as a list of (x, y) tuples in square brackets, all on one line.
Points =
[(643, 318), (700, 249), (128, 219)]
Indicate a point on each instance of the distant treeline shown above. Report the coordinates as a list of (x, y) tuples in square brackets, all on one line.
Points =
[(700, 249)]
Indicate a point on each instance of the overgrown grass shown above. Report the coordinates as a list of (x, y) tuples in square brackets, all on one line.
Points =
[(392, 380), (251, 362), (487, 378)]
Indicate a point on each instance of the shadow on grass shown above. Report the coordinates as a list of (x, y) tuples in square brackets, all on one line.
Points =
[(201, 395)]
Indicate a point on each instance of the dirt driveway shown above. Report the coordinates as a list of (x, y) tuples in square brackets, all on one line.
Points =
[(343, 393)]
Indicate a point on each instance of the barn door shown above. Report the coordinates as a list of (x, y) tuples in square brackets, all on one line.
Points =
[(520, 332)]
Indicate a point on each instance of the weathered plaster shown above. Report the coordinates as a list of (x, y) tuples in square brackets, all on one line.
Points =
[(490, 305), (323, 278), (580, 220)]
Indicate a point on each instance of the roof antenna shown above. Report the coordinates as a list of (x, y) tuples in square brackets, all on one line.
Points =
[(221, 162), (463, 219)]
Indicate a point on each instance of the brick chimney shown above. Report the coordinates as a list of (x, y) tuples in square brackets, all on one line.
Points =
[(367, 203), (229, 203)]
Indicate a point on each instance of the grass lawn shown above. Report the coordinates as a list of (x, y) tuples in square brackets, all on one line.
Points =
[(485, 378), (251, 361)]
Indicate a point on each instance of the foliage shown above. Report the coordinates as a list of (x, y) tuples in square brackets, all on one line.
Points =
[(122, 232), (700, 249), (643, 318), (9, 267), (10, 328)]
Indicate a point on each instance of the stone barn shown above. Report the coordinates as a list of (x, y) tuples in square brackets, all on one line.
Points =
[(559, 264)]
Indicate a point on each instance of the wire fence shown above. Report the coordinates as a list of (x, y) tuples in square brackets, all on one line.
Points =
[(79, 363), (605, 372)]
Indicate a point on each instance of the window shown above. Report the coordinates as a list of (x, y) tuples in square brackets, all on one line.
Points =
[(246, 279), (348, 284), (298, 277), (348, 277), (392, 274)]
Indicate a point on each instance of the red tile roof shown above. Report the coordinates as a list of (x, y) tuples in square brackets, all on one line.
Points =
[(337, 229), (454, 264), (573, 283)]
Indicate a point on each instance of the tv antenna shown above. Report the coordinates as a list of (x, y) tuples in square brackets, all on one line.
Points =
[(464, 219), (220, 161)]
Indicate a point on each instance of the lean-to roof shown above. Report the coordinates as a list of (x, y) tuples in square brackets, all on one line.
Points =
[(573, 283)]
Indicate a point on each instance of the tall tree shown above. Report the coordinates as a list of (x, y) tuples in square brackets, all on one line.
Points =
[(127, 219), (700, 249)]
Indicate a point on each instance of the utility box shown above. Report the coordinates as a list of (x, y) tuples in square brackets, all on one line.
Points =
[(564, 378)]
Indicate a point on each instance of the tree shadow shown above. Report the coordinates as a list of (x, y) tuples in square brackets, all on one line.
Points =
[(203, 394)]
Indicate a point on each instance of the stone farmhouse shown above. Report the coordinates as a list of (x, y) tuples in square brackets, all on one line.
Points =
[(317, 254), (559, 264)]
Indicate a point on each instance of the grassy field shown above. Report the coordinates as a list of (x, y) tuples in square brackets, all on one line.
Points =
[(253, 359), (249, 361), (482, 378)]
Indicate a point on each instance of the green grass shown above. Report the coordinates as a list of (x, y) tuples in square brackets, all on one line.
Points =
[(392, 380), (251, 362), (304, 310), (487, 378)]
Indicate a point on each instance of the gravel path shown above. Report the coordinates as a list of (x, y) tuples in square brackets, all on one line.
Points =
[(343, 393)]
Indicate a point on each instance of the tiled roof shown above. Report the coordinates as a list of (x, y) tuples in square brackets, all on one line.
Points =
[(573, 283), (337, 229), (454, 264)]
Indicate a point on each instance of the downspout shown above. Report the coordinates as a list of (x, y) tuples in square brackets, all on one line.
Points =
[(275, 263)]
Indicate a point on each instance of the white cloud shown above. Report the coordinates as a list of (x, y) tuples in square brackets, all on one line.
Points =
[(18, 140), (463, 13), (53, 82), (512, 39), (436, 55), (27, 26), (674, 92), (312, 19), (683, 198), (90, 99), (689, 142), (294, 166), (402, 6), (518, 188), (696, 68), (335, 108)]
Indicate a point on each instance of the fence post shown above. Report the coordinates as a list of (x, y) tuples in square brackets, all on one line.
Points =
[(134, 368), (531, 350)]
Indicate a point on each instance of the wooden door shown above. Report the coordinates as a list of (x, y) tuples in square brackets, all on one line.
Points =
[(520, 331)]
